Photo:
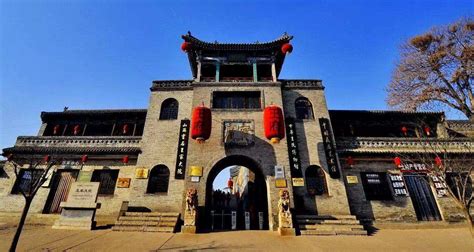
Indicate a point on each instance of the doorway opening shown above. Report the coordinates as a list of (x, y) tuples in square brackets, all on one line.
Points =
[(422, 197), (236, 196), (60, 184)]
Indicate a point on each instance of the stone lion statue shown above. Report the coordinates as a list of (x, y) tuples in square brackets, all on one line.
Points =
[(191, 201), (284, 203)]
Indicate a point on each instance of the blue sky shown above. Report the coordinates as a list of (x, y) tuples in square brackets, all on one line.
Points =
[(104, 54)]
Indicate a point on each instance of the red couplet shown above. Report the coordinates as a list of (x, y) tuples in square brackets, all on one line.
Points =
[(201, 123), (273, 123)]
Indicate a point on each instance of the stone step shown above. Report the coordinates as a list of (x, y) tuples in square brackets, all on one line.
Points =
[(147, 218), (146, 223), (152, 214), (331, 227), (143, 229), (352, 232), (317, 232), (340, 222), (327, 217), (329, 232)]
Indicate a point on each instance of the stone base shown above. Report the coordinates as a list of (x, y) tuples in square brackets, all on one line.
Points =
[(286, 231), (188, 229), (75, 219)]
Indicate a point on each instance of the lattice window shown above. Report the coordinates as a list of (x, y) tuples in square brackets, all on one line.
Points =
[(107, 179), (304, 109), (315, 180), (169, 109), (25, 179), (376, 186)]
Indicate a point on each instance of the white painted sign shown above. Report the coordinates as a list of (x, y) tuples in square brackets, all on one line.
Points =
[(260, 220), (279, 172), (234, 220), (247, 220)]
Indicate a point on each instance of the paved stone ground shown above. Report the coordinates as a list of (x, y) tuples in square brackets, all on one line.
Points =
[(41, 238)]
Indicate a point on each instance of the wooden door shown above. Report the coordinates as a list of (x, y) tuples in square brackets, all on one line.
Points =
[(422, 198), (61, 183)]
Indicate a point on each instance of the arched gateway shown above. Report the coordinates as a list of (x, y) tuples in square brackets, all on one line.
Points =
[(243, 205)]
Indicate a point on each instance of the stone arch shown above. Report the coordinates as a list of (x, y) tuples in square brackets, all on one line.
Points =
[(236, 160)]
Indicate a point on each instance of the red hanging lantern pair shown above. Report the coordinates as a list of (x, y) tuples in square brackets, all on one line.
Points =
[(350, 161), (438, 161), (397, 161), (76, 130), (427, 130), (273, 123), (125, 159), (404, 130), (56, 129), (201, 123), (125, 129), (84, 159), (47, 158)]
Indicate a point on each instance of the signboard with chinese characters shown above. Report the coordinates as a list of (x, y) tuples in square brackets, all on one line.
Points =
[(298, 182), (123, 182), (82, 193), (440, 185), (238, 133), (182, 149), (329, 148), (196, 171), (414, 167), (141, 173), (352, 179), (398, 185), (279, 172), (293, 153), (280, 183)]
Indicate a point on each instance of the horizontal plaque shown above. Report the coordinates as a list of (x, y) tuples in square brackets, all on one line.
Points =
[(280, 183), (141, 173), (196, 171), (352, 179), (123, 182), (298, 181)]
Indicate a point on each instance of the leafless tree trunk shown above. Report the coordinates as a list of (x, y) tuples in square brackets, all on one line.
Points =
[(38, 177)]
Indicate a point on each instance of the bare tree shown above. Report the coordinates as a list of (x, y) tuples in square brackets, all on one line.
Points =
[(436, 69), (29, 180)]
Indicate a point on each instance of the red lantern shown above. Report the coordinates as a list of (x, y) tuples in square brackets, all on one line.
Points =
[(286, 48), (84, 158), (397, 161), (404, 130), (76, 130), (230, 183), (47, 158), (125, 129), (350, 161), (186, 46), (427, 130), (125, 159), (56, 129), (438, 161), (201, 123), (273, 123)]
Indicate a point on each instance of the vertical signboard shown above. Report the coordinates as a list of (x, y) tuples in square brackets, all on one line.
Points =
[(329, 147), (293, 153), (182, 149), (234, 220)]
